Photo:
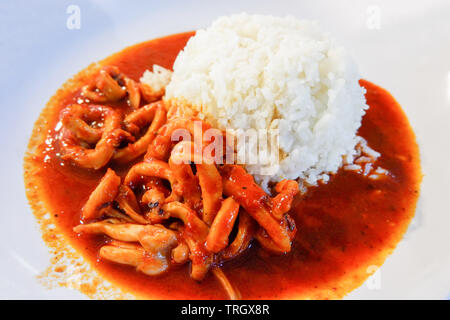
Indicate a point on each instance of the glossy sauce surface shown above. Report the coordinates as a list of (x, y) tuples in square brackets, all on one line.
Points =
[(344, 226)]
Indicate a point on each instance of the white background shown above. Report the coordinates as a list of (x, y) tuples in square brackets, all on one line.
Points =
[(408, 54)]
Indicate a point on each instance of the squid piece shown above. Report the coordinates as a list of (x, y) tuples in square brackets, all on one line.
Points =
[(136, 256), (113, 228), (105, 87), (160, 147), (211, 186), (134, 93), (180, 254), (153, 238), (188, 184), (192, 223), (153, 116), (237, 183), (74, 117), (156, 241), (123, 253), (102, 196), (232, 292), (153, 183), (150, 94), (149, 175), (154, 168), (209, 178), (222, 225), (200, 259), (246, 230), (154, 197), (111, 85), (168, 134), (104, 149), (110, 212), (127, 202), (179, 111), (267, 242), (287, 189), (108, 83), (194, 233)]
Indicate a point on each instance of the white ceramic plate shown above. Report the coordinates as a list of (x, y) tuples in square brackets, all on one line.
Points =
[(400, 45)]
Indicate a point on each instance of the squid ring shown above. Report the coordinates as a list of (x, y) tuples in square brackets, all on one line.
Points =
[(160, 146), (77, 149), (193, 224)]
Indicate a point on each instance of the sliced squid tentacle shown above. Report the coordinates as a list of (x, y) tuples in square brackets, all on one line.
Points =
[(110, 85), (267, 242), (73, 148), (201, 260), (157, 239), (180, 254), (154, 168), (240, 185), (149, 94), (188, 184), (134, 93), (169, 134), (193, 224), (113, 228), (231, 291), (137, 257), (153, 115), (74, 118), (102, 196), (245, 233), (150, 257), (222, 225)]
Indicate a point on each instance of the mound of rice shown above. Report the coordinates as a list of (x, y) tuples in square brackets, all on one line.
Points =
[(253, 71)]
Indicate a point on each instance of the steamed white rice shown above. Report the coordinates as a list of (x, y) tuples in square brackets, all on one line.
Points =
[(253, 71), (156, 79)]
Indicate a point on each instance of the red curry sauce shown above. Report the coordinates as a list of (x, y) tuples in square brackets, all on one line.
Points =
[(344, 226)]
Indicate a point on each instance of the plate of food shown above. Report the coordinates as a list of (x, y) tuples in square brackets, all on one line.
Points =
[(232, 155)]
